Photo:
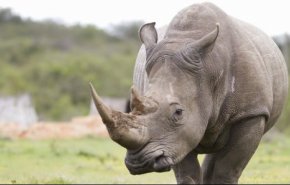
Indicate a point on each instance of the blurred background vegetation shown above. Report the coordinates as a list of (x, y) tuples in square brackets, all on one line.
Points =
[(54, 63)]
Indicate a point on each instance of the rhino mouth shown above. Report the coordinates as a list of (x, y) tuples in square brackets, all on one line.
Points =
[(156, 162)]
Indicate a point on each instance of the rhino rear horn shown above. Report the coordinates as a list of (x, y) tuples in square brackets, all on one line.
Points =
[(142, 104), (136, 101)]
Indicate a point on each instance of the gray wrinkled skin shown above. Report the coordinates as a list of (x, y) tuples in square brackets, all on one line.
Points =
[(218, 88)]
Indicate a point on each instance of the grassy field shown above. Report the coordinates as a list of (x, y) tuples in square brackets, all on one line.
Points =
[(96, 160)]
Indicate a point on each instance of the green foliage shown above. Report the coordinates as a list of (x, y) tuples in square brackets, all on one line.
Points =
[(127, 30), (283, 42), (55, 63), (6, 15), (284, 121), (101, 161)]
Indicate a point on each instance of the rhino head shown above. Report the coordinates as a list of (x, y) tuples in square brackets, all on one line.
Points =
[(170, 119)]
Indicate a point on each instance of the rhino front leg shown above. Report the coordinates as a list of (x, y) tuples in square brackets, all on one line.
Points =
[(227, 165), (188, 170)]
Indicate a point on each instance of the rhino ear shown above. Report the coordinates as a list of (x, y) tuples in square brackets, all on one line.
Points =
[(148, 35), (206, 43), (202, 46)]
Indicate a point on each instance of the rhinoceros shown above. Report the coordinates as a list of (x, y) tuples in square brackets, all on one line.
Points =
[(207, 83)]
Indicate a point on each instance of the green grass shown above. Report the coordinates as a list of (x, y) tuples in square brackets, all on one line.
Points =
[(96, 160)]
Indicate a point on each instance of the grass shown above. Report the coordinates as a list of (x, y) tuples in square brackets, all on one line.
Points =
[(97, 160)]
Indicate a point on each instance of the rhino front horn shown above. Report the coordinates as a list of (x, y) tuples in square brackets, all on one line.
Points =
[(104, 111), (122, 127)]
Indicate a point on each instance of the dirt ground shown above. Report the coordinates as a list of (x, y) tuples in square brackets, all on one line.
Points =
[(76, 128)]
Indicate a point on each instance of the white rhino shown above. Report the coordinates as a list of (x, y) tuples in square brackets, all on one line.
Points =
[(210, 84)]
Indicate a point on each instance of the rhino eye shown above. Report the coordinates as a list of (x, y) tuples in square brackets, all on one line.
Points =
[(178, 112), (177, 115)]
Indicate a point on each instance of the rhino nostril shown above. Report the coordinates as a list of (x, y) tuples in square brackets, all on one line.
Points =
[(162, 163), (159, 157)]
